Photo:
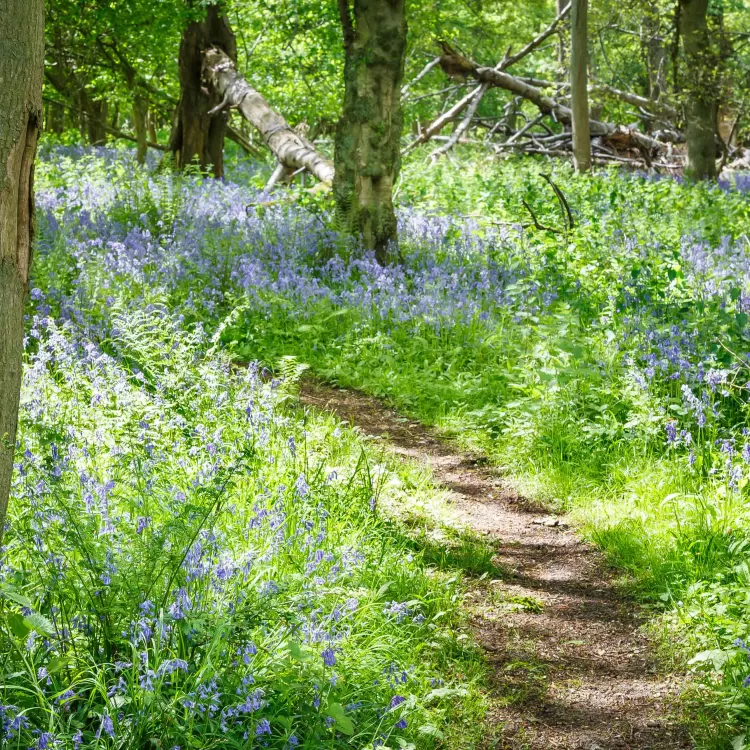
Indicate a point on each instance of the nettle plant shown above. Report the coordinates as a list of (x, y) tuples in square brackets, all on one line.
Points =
[(187, 564)]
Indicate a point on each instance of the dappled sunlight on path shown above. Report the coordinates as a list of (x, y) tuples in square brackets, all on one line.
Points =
[(571, 668)]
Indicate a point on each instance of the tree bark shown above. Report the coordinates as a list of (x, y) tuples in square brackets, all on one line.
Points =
[(21, 71), (290, 148), (367, 151), (579, 96), (197, 134), (701, 89), (140, 116)]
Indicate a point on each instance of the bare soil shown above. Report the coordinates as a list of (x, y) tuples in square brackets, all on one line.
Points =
[(571, 666)]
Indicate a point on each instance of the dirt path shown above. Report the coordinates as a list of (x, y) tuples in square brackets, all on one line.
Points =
[(570, 668)]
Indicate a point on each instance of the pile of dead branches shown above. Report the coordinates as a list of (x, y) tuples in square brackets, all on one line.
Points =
[(660, 148)]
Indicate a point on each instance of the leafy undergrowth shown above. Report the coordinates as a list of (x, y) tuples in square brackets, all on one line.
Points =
[(604, 364), (191, 561)]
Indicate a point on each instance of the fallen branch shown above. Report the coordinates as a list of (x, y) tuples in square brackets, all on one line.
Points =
[(463, 126), (561, 113), (291, 149), (436, 126), (452, 63), (242, 142), (534, 43), (427, 68), (536, 223)]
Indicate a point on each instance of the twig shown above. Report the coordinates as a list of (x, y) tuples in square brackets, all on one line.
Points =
[(463, 126), (530, 124), (564, 207), (534, 43), (536, 223), (427, 68)]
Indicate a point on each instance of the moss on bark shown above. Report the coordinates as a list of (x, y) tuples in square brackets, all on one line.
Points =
[(368, 137)]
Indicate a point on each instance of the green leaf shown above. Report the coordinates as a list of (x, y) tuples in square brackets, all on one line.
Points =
[(430, 730), (17, 625), (343, 722), (39, 623), (445, 692), (383, 589), (56, 664), (10, 593), (297, 652), (716, 656)]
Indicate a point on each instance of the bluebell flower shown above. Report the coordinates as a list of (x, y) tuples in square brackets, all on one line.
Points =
[(263, 727)]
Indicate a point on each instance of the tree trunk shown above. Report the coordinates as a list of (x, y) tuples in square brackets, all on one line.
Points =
[(94, 116), (21, 71), (700, 88), (560, 6), (290, 148), (367, 153), (198, 136), (579, 96), (140, 115), (152, 126)]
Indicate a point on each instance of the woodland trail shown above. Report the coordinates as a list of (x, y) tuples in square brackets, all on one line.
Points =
[(571, 669)]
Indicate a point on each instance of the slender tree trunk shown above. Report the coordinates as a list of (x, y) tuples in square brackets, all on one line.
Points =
[(152, 126), (701, 89), (197, 136), (579, 95), (367, 153), (21, 73), (560, 5), (140, 115), (95, 115)]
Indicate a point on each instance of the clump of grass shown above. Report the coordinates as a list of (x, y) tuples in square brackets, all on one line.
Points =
[(191, 563), (605, 369)]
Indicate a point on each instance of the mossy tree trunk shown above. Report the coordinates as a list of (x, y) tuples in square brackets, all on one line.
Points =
[(198, 136), (367, 153), (21, 73), (701, 87)]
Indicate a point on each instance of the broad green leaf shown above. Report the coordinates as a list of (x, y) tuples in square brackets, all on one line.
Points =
[(14, 596), (39, 623), (17, 625), (343, 722)]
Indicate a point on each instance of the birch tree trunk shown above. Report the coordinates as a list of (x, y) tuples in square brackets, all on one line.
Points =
[(292, 149), (579, 96), (21, 73), (367, 152), (197, 135), (701, 90)]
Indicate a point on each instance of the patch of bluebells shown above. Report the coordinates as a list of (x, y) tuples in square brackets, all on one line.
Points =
[(181, 544)]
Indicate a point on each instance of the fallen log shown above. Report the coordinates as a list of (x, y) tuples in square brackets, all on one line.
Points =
[(290, 148), (561, 113), (452, 64)]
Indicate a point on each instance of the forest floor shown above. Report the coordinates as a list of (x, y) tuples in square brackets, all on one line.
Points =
[(571, 666)]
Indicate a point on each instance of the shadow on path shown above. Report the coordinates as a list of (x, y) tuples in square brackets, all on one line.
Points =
[(571, 672)]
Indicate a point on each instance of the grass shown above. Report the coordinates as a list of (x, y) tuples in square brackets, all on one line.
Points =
[(604, 366)]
